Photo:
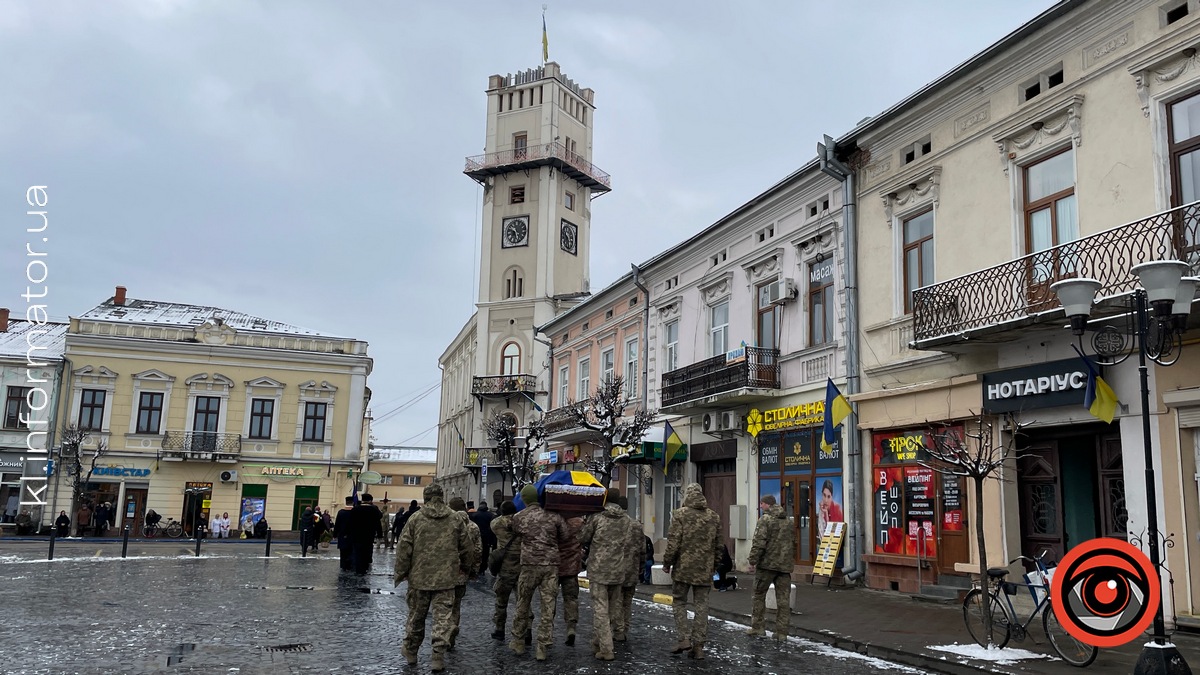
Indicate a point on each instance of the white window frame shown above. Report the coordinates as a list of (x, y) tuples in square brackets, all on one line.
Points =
[(202, 385), (631, 367), (722, 329), (156, 382), (265, 388), (312, 392), (608, 364), (564, 385), (585, 378), (505, 359), (671, 349)]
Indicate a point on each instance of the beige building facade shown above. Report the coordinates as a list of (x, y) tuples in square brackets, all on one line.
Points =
[(404, 473)]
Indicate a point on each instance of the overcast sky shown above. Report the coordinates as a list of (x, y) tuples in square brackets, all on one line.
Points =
[(302, 160)]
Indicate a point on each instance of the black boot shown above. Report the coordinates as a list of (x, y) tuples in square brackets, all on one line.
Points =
[(528, 637), (497, 635)]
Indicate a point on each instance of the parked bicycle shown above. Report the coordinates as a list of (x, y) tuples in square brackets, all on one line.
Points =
[(154, 527), (1007, 625)]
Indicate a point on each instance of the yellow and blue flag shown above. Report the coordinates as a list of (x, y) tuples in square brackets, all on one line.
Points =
[(545, 40), (836, 410), (1099, 398), (672, 444)]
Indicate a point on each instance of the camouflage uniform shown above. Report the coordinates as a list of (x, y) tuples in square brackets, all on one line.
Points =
[(541, 533), (637, 558), (506, 582), (772, 555), (570, 562), (607, 536), (693, 552), (433, 551), (477, 547)]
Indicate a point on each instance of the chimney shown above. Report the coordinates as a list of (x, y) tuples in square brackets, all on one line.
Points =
[(3, 319), (119, 296)]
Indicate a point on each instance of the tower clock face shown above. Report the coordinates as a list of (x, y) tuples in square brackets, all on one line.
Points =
[(569, 239), (515, 232)]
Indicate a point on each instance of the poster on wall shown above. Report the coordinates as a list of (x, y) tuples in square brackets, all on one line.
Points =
[(899, 448), (797, 452), (952, 506), (253, 509), (769, 486), (919, 515), (829, 501), (889, 502), (768, 454)]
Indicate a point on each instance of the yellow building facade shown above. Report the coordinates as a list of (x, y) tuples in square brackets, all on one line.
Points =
[(204, 411)]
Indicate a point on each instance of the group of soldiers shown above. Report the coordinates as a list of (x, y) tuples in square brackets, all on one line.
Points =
[(538, 551)]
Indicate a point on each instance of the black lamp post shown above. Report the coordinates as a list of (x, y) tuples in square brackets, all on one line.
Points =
[(1157, 318)]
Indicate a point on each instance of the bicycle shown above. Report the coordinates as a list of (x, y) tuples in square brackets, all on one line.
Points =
[(1006, 624), (172, 529)]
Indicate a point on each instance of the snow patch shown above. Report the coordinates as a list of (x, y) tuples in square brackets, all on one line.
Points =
[(994, 655)]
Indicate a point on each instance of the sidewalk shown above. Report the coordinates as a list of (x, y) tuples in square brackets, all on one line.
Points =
[(897, 628)]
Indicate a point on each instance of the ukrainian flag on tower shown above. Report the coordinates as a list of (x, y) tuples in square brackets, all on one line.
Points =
[(545, 38), (836, 410)]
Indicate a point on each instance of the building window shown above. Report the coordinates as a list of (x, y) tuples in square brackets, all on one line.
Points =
[(510, 359), (516, 194), (1050, 215), (262, 414), (718, 328), (16, 407), (412, 480), (1173, 14), (912, 153), (719, 258), (1046, 80), (585, 379), (671, 339), (917, 255), (150, 405), (820, 302), (520, 142), (631, 367), (314, 421), (564, 384), (91, 410), (569, 201), (768, 318), (514, 284), (608, 365), (1184, 144)]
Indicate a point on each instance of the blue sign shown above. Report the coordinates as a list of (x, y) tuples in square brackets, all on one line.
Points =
[(120, 471)]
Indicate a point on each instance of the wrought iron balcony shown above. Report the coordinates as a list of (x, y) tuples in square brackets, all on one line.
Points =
[(201, 446), (546, 154), (473, 458), (1017, 293), (558, 420), (503, 386), (718, 375)]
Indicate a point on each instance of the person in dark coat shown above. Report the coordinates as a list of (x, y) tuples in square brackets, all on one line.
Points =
[(723, 583), (402, 518), (365, 526), (341, 532), (307, 525), (260, 528), (62, 525), (103, 519), (483, 518)]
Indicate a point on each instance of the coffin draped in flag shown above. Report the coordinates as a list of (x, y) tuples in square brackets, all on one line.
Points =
[(571, 493)]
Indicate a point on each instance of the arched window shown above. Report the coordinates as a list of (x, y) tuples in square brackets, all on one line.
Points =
[(510, 359)]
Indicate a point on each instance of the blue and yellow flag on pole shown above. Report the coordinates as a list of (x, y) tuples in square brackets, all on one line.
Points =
[(1099, 398), (672, 443), (545, 40), (836, 410)]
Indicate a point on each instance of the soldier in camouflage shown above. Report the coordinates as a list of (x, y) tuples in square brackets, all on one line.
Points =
[(506, 581), (460, 510), (693, 552), (541, 532), (637, 558), (772, 555), (570, 562), (606, 534), (434, 550)]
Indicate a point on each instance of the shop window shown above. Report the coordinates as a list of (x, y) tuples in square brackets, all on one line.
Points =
[(804, 478), (913, 504)]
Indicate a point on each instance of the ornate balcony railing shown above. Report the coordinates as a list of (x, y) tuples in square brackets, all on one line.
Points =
[(758, 370), (202, 446), (502, 385), (553, 154), (558, 419), (473, 458), (1020, 289)]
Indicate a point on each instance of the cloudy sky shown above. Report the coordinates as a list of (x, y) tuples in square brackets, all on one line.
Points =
[(303, 160)]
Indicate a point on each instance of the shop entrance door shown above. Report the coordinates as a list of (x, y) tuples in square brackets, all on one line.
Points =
[(196, 499), (134, 510), (721, 491), (955, 546), (797, 496), (1040, 488), (306, 496)]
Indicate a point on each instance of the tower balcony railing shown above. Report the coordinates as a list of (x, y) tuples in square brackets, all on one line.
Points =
[(201, 446), (1016, 293), (544, 154), (503, 385), (718, 376)]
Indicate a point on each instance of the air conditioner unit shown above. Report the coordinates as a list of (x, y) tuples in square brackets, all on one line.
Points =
[(731, 421), (783, 290), (229, 476), (712, 421)]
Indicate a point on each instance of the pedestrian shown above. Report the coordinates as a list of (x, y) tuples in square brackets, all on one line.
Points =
[(319, 527), (103, 517), (364, 528), (62, 525), (83, 519), (693, 551), (542, 532), (570, 563), (385, 524), (483, 520), (607, 535), (648, 563), (433, 552), (508, 548), (261, 527), (307, 523), (341, 531), (220, 526), (771, 561), (723, 582), (460, 510), (24, 523), (402, 518), (622, 620)]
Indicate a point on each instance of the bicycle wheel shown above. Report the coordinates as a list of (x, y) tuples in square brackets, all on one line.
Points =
[(976, 606), (150, 531), (174, 530), (1071, 650)]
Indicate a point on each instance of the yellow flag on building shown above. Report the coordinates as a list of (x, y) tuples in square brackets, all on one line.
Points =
[(672, 444)]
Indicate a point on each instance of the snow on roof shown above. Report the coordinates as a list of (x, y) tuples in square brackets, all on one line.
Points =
[(401, 454), (22, 334), (152, 312)]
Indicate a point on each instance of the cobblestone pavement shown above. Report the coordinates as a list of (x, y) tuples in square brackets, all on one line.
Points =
[(233, 611)]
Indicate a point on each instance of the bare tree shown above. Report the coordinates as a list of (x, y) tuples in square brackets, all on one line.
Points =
[(516, 462), (976, 454), (74, 458), (603, 414)]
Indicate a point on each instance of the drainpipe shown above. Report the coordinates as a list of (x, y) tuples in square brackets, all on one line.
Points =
[(833, 166), (637, 281)]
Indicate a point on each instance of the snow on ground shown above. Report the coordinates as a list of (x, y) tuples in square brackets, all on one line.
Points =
[(1005, 657)]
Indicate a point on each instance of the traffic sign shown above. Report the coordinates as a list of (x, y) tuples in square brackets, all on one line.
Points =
[(483, 467)]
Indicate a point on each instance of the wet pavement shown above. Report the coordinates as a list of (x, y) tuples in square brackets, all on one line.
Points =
[(231, 610)]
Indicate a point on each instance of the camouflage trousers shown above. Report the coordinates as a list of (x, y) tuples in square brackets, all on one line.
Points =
[(419, 603), (695, 631), (456, 612), (620, 617), (763, 579), (606, 606), (542, 579), (505, 584), (570, 596)]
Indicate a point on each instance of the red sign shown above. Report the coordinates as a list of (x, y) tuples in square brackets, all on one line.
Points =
[(1105, 592)]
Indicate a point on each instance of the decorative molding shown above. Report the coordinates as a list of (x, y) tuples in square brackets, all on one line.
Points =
[(764, 265), (1105, 47), (819, 242), (969, 121), (925, 186), (214, 331), (716, 288), (878, 170), (203, 379), (311, 388), (94, 373), (154, 375), (1040, 124), (671, 308), (265, 383)]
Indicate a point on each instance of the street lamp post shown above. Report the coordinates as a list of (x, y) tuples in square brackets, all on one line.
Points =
[(1169, 294)]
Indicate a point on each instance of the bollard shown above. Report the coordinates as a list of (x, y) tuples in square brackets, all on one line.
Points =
[(50, 556), (199, 538), (268, 553), (303, 548), (125, 541)]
